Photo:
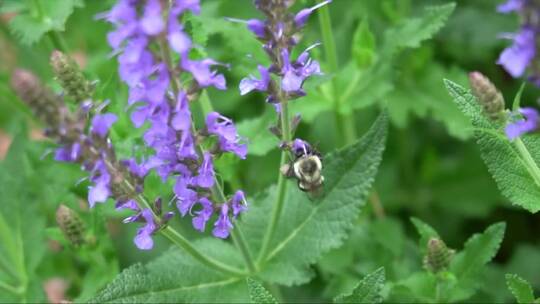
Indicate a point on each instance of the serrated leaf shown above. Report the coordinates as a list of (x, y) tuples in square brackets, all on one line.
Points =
[(177, 277), (320, 224), (413, 31), (466, 265), (258, 294), (520, 288), (367, 291), (39, 17), (426, 232), (513, 165)]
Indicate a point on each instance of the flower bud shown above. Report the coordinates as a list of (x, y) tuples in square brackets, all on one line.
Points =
[(70, 76), (489, 97), (438, 256), (30, 90), (71, 225)]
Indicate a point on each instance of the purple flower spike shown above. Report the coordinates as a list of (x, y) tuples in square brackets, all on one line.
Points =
[(224, 128), (152, 22), (251, 83), (301, 18), (143, 239), (202, 216), (238, 203), (520, 127), (517, 58), (223, 225), (102, 123)]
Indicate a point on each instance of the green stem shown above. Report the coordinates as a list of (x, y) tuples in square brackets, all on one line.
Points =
[(57, 41), (345, 122), (281, 185), (531, 165), (182, 242)]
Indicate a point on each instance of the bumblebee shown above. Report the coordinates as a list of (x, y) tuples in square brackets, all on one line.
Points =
[(306, 168)]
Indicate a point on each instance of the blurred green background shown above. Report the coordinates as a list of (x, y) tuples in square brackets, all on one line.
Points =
[(431, 169)]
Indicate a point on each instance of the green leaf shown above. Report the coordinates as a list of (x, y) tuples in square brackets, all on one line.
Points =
[(177, 277), (261, 141), (39, 17), (367, 291), (258, 294), (513, 165), (309, 228), (467, 264), (520, 288), (22, 225), (413, 31), (426, 232), (363, 45)]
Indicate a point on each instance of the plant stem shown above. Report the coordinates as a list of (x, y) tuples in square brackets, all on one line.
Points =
[(531, 165), (281, 185), (182, 242), (345, 122)]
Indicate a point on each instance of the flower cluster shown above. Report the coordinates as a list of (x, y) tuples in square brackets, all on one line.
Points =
[(91, 149), (162, 102), (519, 59), (279, 34)]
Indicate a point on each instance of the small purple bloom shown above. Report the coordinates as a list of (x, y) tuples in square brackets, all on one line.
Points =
[(186, 197), (301, 18), (526, 125), (257, 27), (68, 153), (129, 204), (300, 147), (517, 58), (152, 22), (223, 225), (511, 6), (202, 73), (238, 203), (101, 179), (101, 123), (205, 179), (224, 128), (202, 216), (143, 239), (251, 83)]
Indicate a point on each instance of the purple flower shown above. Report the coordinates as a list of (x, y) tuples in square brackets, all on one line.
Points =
[(510, 6), (517, 58), (143, 239), (181, 120), (202, 73), (101, 179), (301, 18), (295, 73), (251, 83), (257, 27), (223, 225), (300, 147), (68, 153), (101, 123), (238, 203), (526, 125), (129, 204), (224, 128), (202, 216), (205, 179), (186, 197), (152, 22)]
